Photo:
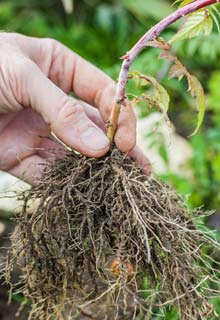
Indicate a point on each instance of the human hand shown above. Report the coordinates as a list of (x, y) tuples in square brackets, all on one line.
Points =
[(36, 78)]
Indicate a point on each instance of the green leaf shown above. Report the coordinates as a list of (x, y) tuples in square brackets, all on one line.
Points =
[(178, 70), (215, 14), (183, 3), (158, 98), (197, 23), (160, 95), (196, 90)]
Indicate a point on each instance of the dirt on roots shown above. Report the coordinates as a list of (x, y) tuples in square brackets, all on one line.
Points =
[(104, 241)]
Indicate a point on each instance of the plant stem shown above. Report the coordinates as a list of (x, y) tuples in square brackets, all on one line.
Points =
[(128, 59)]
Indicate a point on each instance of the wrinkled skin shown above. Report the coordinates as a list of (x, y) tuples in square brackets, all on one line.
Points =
[(36, 78)]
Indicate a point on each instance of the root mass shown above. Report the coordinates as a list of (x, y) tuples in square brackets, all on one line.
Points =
[(97, 239)]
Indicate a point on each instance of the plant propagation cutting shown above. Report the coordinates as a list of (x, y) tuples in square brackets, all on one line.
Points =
[(105, 241)]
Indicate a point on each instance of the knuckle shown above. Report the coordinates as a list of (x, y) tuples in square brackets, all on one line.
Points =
[(8, 158), (50, 43), (69, 111), (22, 68), (22, 73), (104, 98), (14, 74)]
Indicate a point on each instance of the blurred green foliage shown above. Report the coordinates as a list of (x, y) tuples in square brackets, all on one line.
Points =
[(102, 31)]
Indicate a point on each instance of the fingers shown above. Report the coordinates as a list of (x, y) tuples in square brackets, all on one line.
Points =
[(34, 138), (94, 115), (125, 136), (65, 116), (50, 149), (93, 86), (30, 169), (72, 73), (21, 137), (142, 160)]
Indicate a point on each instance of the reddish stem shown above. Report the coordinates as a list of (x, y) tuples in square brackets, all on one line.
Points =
[(128, 59)]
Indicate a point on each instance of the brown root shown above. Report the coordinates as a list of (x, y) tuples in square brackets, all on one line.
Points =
[(105, 241)]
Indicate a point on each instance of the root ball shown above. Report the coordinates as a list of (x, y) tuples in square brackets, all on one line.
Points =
[(104, 241)]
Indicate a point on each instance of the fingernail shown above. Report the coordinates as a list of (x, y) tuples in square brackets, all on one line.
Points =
[(94, 139)]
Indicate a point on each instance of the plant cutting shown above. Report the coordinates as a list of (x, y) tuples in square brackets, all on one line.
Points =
[(99, 239)]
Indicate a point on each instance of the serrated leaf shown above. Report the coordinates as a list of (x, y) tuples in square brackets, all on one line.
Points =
[(177, 71), (159, 98), (194, 86), (197, 23), (159, 43), (166, 54), (196, 90), (135, 76)]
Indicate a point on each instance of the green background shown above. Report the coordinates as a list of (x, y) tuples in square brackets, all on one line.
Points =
[(102, 31)]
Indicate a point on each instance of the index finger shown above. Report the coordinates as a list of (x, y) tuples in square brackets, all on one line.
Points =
[(71, 72)]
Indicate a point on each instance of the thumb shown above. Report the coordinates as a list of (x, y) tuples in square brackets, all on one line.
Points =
[(64, 114)]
